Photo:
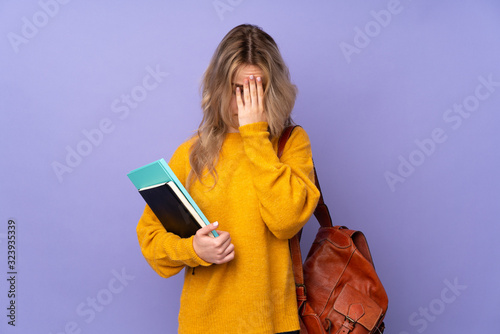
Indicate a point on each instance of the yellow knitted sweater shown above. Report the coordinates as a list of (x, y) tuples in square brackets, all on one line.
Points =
[(261, 201)]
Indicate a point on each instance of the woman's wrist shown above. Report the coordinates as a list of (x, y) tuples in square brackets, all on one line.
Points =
[(261, 126)]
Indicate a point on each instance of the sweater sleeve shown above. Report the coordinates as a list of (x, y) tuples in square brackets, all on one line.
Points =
[(285, 187), (166, 252)]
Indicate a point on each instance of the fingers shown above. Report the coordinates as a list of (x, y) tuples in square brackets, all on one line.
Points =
[(247, 92), (225, 252), (222, 241), (250, 102), (260, 93), (239, 100), (229, 255), (222, 249), (253, 91), (207, 229), (215, 250)]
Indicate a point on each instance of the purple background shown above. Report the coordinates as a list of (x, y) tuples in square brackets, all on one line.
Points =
[(64, 68)]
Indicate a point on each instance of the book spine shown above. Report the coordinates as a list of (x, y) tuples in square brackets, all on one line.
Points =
[(179, 185)]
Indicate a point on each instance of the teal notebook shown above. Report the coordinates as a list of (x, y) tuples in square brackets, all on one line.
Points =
[(160, 172)]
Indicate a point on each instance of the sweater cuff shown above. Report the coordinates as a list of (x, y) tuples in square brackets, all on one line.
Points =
[(253, 128), (192, 254), (258, 147)]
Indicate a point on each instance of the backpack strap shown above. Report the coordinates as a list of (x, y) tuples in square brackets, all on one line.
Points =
[(323, 216), (321, 213)]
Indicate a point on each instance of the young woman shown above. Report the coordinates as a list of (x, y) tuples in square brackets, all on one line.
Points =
[(241, 281)]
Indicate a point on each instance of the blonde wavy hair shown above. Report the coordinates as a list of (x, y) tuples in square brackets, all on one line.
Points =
[(243, 45)]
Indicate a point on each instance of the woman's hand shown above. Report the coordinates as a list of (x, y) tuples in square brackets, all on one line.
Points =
[(251, 104), (214, 250)]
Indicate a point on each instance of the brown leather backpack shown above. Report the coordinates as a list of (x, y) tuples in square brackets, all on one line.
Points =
[(338, 290)]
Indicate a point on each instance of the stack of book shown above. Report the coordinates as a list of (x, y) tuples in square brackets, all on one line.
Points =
[(168, 199)]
